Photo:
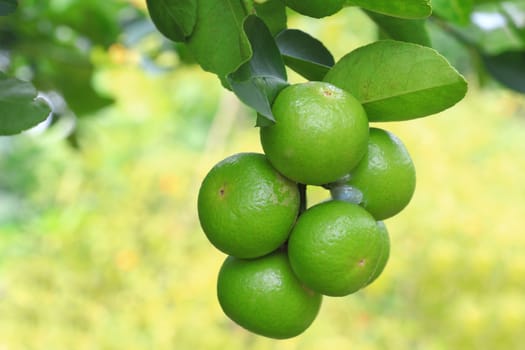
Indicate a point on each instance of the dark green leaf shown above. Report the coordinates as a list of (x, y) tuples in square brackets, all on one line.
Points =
[(315, 8), (273, 13), (304, 54), (7, 7), (70, 72), (19, 107), (218, 42), (396, 80), (508, 68), (174, 19), (457, 11), (395, 8), (262, 121), (80, 95), (258, 81), (90, 19), (409, 30)]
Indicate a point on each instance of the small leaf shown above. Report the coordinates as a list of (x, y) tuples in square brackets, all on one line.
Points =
[(507, 68), (457, 11), (78, 91), (218, 42), (304, 54), (70, 72), (19, 107), (396, 81), (174, 19), (258, 81), (7, 7), (395, 8), (273, 13), (409, 30)]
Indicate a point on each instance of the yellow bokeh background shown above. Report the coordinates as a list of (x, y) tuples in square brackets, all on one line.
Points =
[(109, 253)]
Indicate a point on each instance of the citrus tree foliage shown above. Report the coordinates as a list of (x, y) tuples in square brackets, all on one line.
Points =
[(49, 44), (386, 76), (398, 78), (19, 106), (7, 7)]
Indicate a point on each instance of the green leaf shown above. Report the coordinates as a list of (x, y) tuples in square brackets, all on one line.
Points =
[(79, 92), (409, 30), (263, 121), (513, 15), (70, 72), (7, 7), (304, 54), (218, 42), (273, 13), (457, 11), (20, 109), (508, 69), (174, 19), (94, 20), (396, 80), (258, 81), (395, 8), (492, 40), (478, 2)]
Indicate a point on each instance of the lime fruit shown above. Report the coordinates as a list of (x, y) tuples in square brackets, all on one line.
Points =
[(246, 208), (385, 253), (335, 247), (264, 296), (315, 8), (385, 176), (320, 134)]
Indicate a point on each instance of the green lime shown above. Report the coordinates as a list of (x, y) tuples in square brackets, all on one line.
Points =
[(320, 134), (246, 208), (264, 296), (385, 253), (315, 8), (386, 175), (335, 247)]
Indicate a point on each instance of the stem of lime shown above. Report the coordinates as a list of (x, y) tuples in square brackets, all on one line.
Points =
[(346, 193), (302, 196), (248, 6)]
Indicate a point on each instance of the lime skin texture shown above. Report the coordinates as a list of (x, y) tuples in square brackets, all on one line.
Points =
[(385, 253), (246, 208), (386, 175), (336, 247), (320, 133), (264, 296)]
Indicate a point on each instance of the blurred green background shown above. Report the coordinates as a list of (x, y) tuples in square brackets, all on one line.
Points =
[(100, 246)]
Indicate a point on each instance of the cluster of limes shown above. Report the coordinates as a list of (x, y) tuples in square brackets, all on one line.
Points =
[(281, 260)]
